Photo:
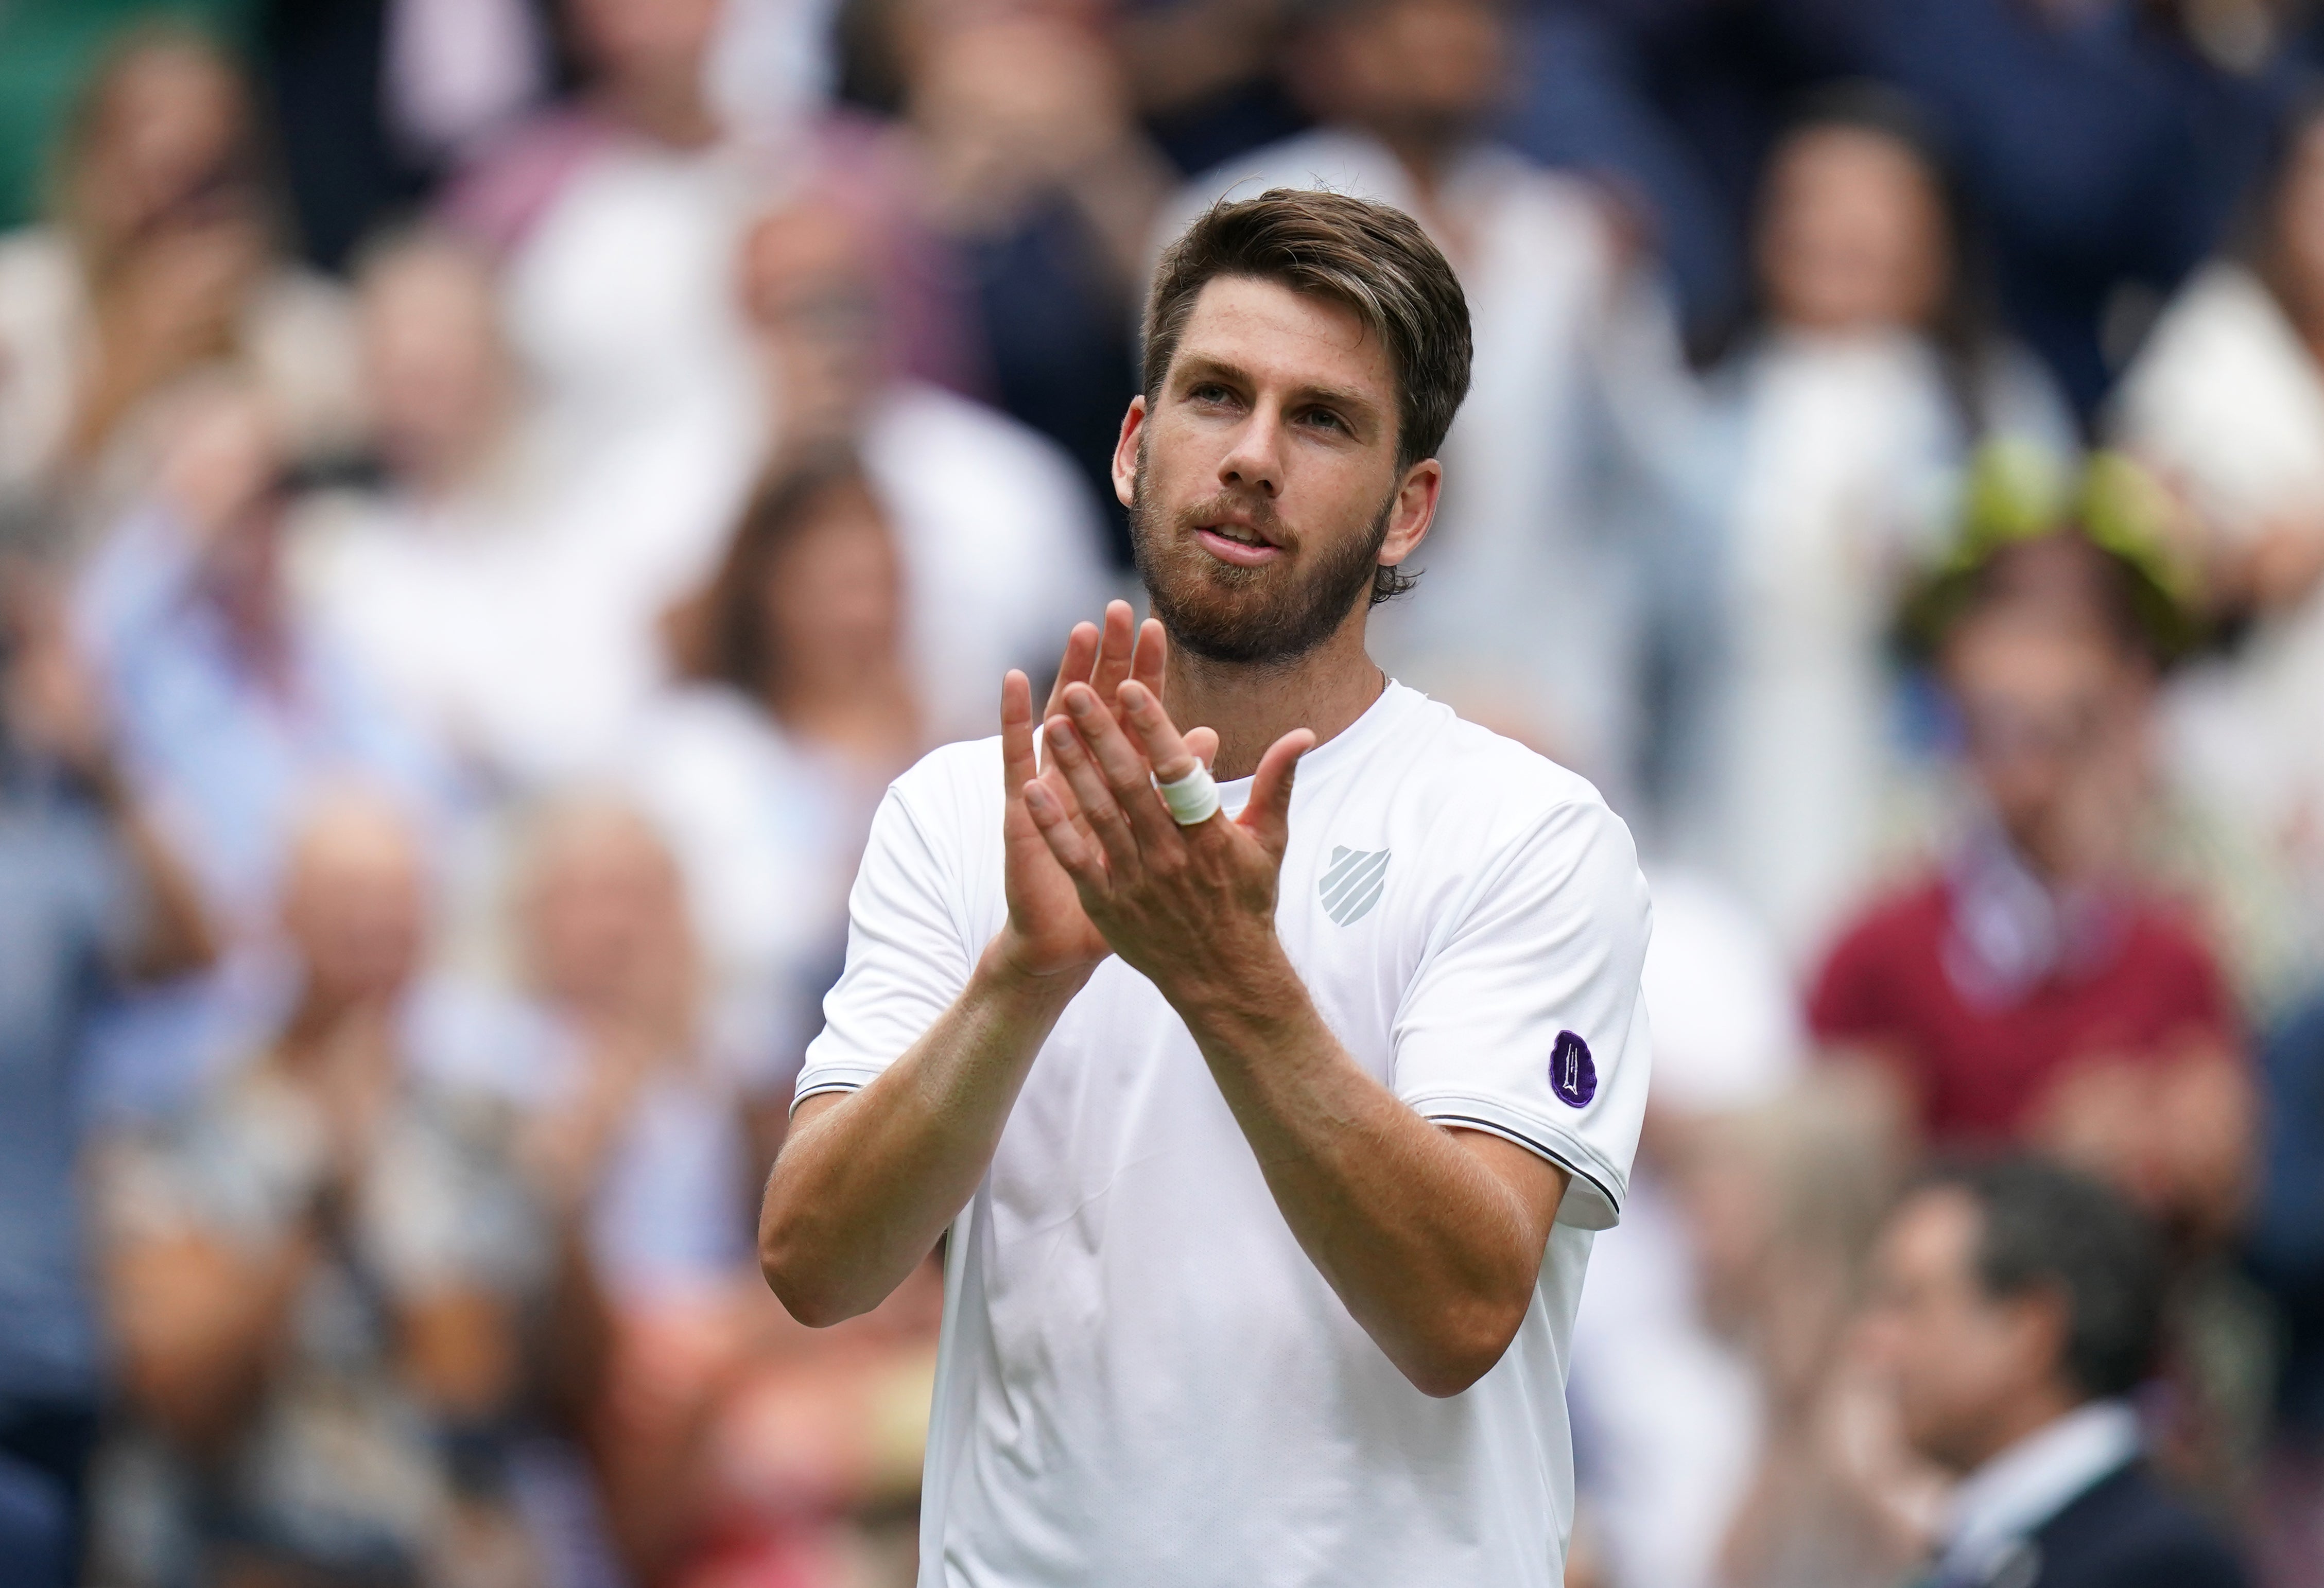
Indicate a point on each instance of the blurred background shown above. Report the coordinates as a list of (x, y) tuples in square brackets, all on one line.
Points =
[(492, 490)]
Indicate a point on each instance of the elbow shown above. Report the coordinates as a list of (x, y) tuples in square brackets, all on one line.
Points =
[(1469, 1343), (806, 1287)]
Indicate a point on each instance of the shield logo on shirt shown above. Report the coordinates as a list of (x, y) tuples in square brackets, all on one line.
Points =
[(1351, 883)]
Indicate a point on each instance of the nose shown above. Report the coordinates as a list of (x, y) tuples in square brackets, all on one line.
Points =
[(1254, 462)]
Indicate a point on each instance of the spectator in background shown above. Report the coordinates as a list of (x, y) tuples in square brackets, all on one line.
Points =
[(472, 580), (162, 257), (2226, 400), (2015, 1308), (1668, 1410), (2287, 1256), (1034, 167), (1838, 432), (801, 705), (90, 896), (999, 538), (316, 1271), (727, 1438), (2035, 986), (232, 706), (615, 221), (1556, 498)]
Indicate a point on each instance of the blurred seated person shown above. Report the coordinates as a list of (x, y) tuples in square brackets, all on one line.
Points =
[(1838, 429), (2287, 1258), (1000, 537), (614, 218), (2035, 986), (1578, 390), (2013, 1308), (799, 704), (315, 1271), (722, 1432), (472, 580), (92, 897), (163, 254), (1034, 170), (1667, 1405), (232, 706), (2226, 400)]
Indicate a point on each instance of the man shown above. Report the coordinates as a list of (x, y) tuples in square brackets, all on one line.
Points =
[(2014, 1305), (2037, 985), (1559, 499), (1272, 1142)]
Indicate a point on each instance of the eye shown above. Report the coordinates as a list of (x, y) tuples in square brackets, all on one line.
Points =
[(1325, 418), (1209, 391)]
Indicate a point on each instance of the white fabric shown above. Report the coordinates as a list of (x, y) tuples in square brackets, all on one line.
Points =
[(2229, 402), (766, 833), (1848, 453), (459, 69), (2013, 1494), (1143, 1380), (1567, 345), (1002, 545)]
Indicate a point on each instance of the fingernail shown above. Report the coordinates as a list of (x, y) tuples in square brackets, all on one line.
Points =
[(1077, 701), (1060, 734)]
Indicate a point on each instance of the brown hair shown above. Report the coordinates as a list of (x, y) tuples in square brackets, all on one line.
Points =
[(1370, 257), (721, 635)]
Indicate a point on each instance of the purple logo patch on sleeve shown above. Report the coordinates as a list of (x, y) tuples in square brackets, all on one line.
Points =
[(1572, 1076)]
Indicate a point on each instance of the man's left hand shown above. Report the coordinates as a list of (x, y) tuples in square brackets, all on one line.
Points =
[(1192, 907)]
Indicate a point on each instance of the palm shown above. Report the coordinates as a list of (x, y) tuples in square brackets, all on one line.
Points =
[(1050, 932)]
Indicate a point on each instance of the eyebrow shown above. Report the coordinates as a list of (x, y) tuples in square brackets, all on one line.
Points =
[(1197, 365)]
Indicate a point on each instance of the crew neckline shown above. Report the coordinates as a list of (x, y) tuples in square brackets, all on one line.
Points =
[(1342, 748)]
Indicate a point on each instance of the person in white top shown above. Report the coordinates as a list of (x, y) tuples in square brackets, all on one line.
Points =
[(1270, 1139), (1558, 496)]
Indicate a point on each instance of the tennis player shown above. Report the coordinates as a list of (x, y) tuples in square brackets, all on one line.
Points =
[(1271, 1104)]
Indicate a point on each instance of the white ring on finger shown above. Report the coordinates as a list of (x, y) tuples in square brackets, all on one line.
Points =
[(1193, 799)]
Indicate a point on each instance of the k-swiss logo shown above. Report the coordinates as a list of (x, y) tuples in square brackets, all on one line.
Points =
[(1351, 883), (1572, 1075)]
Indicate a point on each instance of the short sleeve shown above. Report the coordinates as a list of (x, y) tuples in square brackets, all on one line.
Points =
[(1526, 1019), (906, 960)]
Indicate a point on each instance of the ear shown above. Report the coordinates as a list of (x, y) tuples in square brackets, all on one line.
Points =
[(1125, 451), (1415, 512)]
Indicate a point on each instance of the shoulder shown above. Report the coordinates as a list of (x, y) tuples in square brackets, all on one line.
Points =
[(1897, 929), (2129, 1531), (953, 787)]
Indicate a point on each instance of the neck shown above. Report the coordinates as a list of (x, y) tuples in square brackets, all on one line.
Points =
[(1253, 704), (670, 110), (2023, 1417)]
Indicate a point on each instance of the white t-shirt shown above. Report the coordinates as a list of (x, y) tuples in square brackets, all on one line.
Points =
[(1143, 1379)]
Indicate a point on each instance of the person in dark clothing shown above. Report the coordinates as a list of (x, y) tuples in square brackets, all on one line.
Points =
[(89, 896), (2015, 1306)]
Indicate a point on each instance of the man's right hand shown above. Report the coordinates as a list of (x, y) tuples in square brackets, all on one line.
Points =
[(1048, 934)]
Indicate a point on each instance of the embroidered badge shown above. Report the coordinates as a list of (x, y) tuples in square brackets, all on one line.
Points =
[(1572, 1076), (1351, 883)]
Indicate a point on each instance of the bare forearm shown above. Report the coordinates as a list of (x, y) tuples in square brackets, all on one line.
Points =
[(1430, 1250), (862, 1189)]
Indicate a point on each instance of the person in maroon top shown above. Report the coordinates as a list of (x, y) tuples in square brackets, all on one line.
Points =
[(2032, 989)]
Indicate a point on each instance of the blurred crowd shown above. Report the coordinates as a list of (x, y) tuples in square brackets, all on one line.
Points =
[(490, 491)]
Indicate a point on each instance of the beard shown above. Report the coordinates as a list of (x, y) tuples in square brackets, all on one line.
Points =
[(1267, 616)]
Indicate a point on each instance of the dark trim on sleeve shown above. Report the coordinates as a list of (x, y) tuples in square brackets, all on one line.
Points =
[(1531, 1145)]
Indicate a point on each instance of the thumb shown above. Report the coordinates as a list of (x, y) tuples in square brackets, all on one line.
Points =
[(1268, 815)]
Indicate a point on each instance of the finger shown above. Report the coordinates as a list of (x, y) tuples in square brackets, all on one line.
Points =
[(1268, 815), (1126, 771), (1072, 848), (1114, 652), (1019, 764), (1153, 656), (1100, 810), (1203, 744), (1078, 662), (1165, 749)]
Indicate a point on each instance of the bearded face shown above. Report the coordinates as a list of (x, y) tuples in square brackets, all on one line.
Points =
[(1273, 612)]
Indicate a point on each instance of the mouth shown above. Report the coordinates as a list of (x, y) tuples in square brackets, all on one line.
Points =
[(1241, 544)]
